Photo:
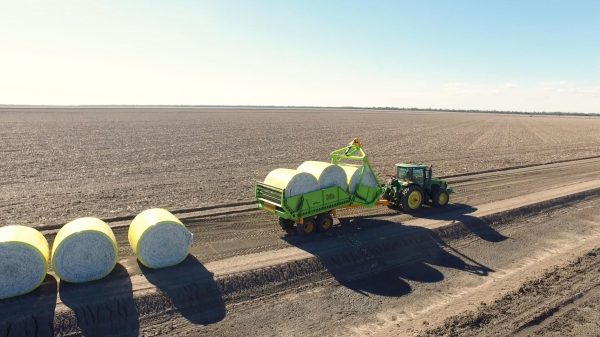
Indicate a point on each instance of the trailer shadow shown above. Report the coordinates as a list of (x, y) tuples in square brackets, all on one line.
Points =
[(381, 257), (192, 290), (31, 314), (103, 307)]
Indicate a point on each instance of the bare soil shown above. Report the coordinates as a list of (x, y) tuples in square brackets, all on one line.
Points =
[(62, 163), (516, 253)]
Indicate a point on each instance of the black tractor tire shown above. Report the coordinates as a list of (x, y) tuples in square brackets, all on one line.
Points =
[(307, 227), (324, 222), (286, 223), (440, 198), (409, 198)]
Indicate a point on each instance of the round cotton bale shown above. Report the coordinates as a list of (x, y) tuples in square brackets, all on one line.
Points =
[(327, 174), (159, 239), (293, 182), (353, 173), (84, 250), (23, 260)]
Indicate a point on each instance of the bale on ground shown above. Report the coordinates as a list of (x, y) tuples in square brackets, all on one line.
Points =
[(84, 250), (327, 174), (353, 173), (159, 239), (293, 182), (23, 260)]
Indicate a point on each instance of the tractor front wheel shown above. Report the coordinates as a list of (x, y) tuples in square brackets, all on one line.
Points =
[(307, 227), (412, 198), (440, 198)]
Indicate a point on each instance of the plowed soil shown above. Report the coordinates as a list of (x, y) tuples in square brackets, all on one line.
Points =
[(516, 253), (62, 163)]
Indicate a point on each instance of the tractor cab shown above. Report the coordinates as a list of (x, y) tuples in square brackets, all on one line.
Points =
[(413, 185), (415, 173)]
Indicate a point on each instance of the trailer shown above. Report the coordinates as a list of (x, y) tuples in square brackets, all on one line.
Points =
[(315, 210)]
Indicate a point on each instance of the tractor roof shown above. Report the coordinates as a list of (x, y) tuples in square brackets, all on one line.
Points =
[(411, 165)]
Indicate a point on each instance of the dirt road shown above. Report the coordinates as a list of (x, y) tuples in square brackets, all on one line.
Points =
[(384, 273)]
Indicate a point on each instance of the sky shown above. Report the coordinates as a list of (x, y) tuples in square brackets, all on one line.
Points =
[(534, 55)]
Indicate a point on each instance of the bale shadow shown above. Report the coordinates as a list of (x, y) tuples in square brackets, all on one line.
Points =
[(378, 257), (104, 307), (192, 290), (30, 314)]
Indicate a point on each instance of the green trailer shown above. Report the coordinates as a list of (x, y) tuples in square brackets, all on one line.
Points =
[(315, 210)]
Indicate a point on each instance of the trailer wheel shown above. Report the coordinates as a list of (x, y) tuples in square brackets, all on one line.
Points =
[(307, 227), (286, 223), (324, 222)]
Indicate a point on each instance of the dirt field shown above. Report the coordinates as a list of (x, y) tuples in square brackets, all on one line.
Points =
[(59, 164), (516, 253)]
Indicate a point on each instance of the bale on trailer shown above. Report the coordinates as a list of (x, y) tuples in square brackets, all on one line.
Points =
[(159, 239), (84, 250), (327, 174), (354, 173), (293, 182), (23, 260)]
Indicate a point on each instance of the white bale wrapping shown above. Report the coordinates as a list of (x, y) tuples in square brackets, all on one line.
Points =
[(159, 238), (327, 174), (84, 257), (84, 250), (293, 182), (353, 177), (23, 260), (165, 245)]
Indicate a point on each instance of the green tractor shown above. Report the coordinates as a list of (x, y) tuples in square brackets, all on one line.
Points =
[(413, 185)]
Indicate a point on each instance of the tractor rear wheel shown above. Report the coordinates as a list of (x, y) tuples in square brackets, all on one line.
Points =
[(307, 227), (440, 198), (324, 222), (412, 198), (286, 223)]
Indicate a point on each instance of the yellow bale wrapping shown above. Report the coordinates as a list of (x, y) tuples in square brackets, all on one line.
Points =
[(327, 174), (293, 182), (159, 239), (353, 177), (84, 250), (23, 260)]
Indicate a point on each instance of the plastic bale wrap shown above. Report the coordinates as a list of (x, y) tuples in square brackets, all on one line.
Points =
[(159, 239), (84, 250), (23, 260), (293, 182), (327, 174), (353, 173)]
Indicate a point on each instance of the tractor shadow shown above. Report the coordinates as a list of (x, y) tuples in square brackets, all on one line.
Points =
[(103, 307), (380, 257), (30, 314), (462, 213), (192, 290)]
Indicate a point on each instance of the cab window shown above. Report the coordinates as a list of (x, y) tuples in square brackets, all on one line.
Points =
[(402, 173), (418, 174)]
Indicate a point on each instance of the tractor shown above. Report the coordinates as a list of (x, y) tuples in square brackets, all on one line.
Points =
[(413, 185)]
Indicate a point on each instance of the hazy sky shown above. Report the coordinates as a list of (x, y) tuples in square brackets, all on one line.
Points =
[(509, 55)]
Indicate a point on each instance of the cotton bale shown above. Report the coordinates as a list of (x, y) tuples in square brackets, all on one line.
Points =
[(159, 239), (23, 260), (293, 182), (353, 174), (327, 174), (84, 250)]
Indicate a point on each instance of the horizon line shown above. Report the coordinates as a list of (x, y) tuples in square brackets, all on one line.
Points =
[(390, 108)]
